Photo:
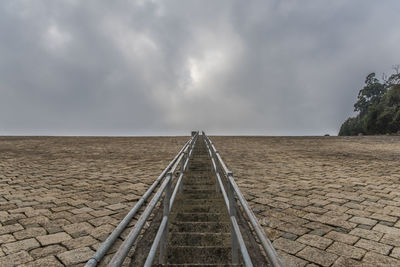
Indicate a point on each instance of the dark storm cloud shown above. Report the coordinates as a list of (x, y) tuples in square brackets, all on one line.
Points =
[(166, 67)]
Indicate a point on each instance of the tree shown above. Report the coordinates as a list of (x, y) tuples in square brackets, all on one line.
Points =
[(370, 94), (378, 107)]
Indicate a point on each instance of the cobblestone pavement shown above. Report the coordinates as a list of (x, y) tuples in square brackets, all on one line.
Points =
[(60, 197), (327, 201), (322, 200)]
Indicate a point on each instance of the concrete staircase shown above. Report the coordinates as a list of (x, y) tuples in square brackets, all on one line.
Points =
[(199, 232)]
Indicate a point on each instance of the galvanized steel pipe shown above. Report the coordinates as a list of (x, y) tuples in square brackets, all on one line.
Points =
[(97, 257), (123, 250), (266, 244)]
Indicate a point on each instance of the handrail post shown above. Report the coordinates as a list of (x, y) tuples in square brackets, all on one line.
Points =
[(232, 213), (217, 168), (163, 242), (183, 169)]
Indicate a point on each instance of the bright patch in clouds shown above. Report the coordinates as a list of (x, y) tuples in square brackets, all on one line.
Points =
[(55, 38), (211, 62)]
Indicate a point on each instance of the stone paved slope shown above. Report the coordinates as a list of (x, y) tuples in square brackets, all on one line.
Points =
[(330, 201), (61, 196), (323, 200)]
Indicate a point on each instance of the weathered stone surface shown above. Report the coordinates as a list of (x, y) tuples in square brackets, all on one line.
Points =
[(81, 217), (342, 237), (102, 232), (346, 250), (287, 245), (75, 256), (376, 259), (78, 229), (34, 220), (361, 220), (329, 220), (317, 256), (46, 251), (30, 232), (319, 226), (395, 253), (25, 245), (79, 242), (15, 259), (117, 206), (48, 261), (370, 245), (10, 228), (272, 234), (6, 239), (346, 262), (290, 260), (393, 240), (386, 229), (53, 238), (315, 241), (292, 228), (367, 234), (262, 200), (101, 213), (383, 217), (293, 177), (81, 210), (103, 220)]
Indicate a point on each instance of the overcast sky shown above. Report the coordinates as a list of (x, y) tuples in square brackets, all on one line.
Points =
[(270, 67)]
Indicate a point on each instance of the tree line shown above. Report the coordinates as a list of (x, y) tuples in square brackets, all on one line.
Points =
[(378, 107)]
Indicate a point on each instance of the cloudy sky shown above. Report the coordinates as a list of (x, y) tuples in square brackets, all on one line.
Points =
[(268, 67)]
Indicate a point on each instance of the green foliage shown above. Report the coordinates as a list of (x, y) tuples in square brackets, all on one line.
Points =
[(370, 94), (352, 126), (378, 107)]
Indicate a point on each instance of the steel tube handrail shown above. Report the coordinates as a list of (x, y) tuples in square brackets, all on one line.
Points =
[(231, 209), (164, 223), (221, 185), (242, 246), (175, 190), (122, 225), (154, 246), (265, 243), (123, 250), (180, 178)]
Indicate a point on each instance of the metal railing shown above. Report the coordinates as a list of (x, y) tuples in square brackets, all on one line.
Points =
[(230, 201), (162, 233), (181, 158)]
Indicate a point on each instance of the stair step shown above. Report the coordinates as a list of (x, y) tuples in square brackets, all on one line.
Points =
[(209, 191), (202, 217), (199, 239), (197, 265), (187, 208), (205, 227), (198, 254), (199, 201), (214, 195), (199, 229), (198, 183), (198, 175), (200, 186)]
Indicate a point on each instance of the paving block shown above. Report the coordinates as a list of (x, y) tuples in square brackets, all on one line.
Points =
[(53, 238)]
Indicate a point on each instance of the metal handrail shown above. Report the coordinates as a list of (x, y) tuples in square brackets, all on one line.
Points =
[(161, 236), (232, 186), (125, 247), (236, 235), (100, 253)]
